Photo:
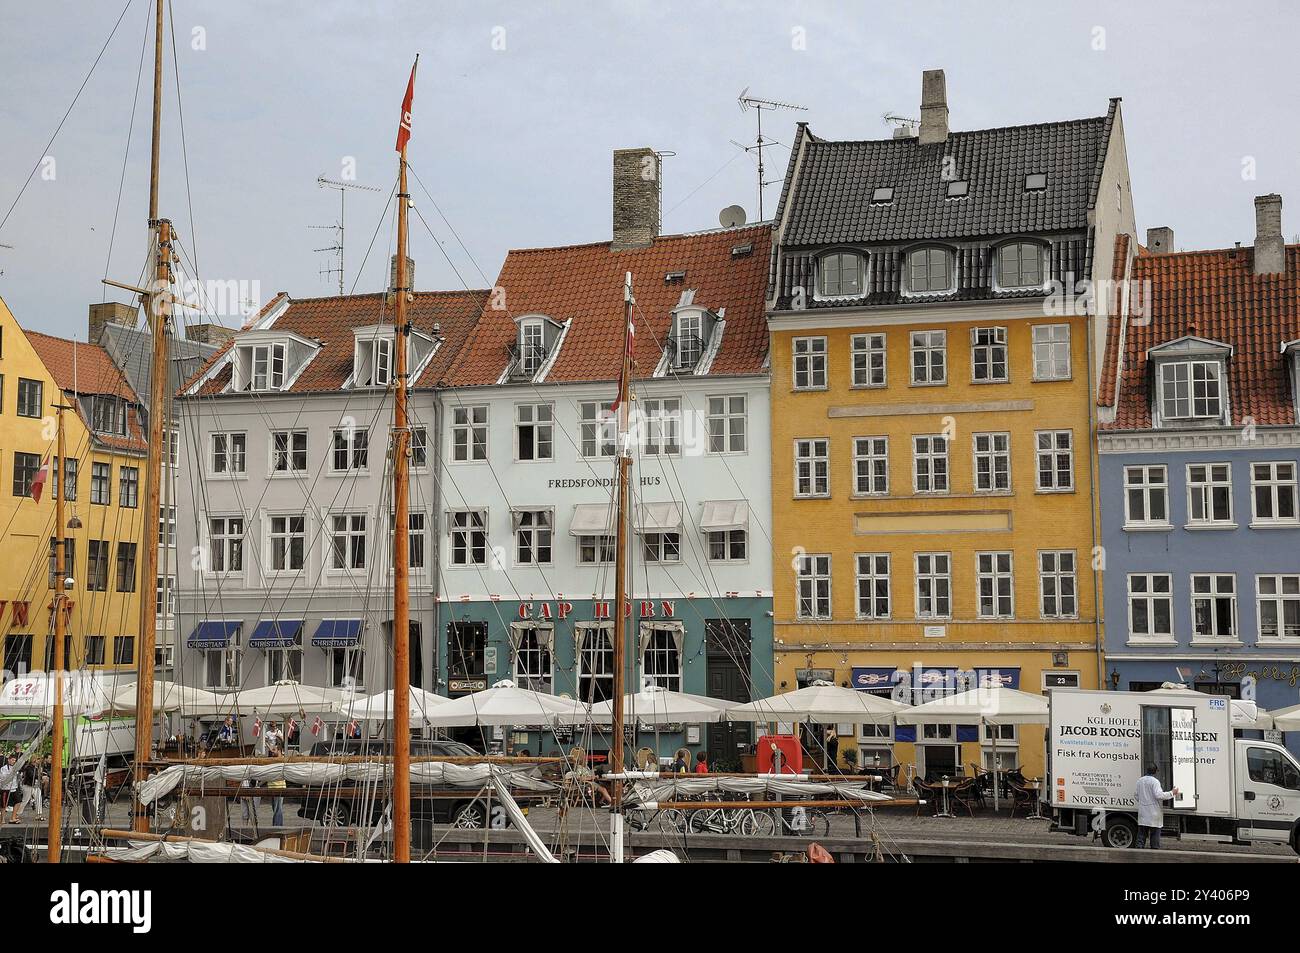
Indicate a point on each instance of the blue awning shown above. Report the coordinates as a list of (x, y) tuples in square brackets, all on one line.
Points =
[(337, 633), (213, 635), (277, 634)]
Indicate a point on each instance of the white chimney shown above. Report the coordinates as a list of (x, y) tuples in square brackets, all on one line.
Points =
[(1270, 250), (934, 107)]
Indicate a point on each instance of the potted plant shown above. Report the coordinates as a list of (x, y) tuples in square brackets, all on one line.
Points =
[(850, 756)]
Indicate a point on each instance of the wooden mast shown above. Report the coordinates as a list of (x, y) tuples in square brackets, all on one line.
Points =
[(620, 578), (401, 528), (55, 832), (158, 307)]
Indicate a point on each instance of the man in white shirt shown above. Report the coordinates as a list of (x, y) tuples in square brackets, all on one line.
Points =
[(274, 738), (1151, 816)]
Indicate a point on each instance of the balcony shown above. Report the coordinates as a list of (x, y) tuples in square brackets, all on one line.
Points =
[(685, 350), (525, 360)]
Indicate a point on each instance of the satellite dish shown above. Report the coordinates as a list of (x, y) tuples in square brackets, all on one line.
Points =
[(732, 216)]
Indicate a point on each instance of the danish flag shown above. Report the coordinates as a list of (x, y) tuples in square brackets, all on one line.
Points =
[(38, 481), (316, 726)]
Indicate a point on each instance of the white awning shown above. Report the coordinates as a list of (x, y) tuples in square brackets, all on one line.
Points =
[(659, 517), (592, 519), (724, 515)]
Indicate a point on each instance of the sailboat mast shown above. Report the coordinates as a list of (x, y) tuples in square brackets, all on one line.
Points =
[(158, 307), (620, 578), (55, 833), (401, 526)]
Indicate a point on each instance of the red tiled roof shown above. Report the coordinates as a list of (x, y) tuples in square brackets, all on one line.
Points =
[(583, 284), (87, 372), (1106, 391), (1215, 295), (332, 320)]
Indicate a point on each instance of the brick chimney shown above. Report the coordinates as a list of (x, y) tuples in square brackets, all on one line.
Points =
[(392, 273), (1270, 251), (109, 312), (636, 198), (934, 107), (214, 334), (1160, 241)]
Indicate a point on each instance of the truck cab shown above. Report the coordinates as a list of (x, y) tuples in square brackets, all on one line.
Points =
[(1268, 794)]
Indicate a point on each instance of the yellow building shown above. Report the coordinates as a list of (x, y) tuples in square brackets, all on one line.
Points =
[(932, 415), (104, 489)]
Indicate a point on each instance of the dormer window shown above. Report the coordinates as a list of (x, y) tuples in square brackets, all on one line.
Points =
[(383, 362), (108, 415), (1020, 265), (689, 339), (532, 347), (1191, 390), (268, 367), (929, 271), (841, 275)]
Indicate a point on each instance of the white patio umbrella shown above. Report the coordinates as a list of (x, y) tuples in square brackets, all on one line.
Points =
[(655, 705), (379, 707), (1287, 719), (168, 697), (991, 706), (820, 702), (506, 704), (281, 698)]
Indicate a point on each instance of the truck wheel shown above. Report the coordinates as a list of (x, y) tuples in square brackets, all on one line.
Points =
[(1120, 832)]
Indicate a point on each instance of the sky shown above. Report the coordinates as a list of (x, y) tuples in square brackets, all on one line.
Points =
[(519, 105)]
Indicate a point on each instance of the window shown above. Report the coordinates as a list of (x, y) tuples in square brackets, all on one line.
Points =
[(871, 466), (728, 546), (1267, 766), (126, 567), (1035, 181), (930, 463), (994, 585), (1057, 584), (809, 363), (467, 644), (873, 585), (992, 462), (95, 650), (596, 550), (108, 415), (933, 585), (596, 664), (70, 469), (30, 403), (468, 538), (841, 275), (69, 561), (1209, 494), (284, 665), (415, 523), (812, 468), (18, 653), (1055, 459), (288, 543), (348, 541), (128, 490), (534, 431), (166, 525), (597, 430), (1146, 496), (1279, 606), (727, 424), (1214, 606), (1020, 265), (289, 451), (813, 587), (100, 474), (688, 342), (1273, 490), (532, 347), (868, 352), (661, 547), (533, 530), (164, 602), (97, 566), (1189, 390), (1051, 352), (26, 466), (351, 449), (124, 650), (661, 660), (419, 448), (268, 367), (532, 664), (958, 188), (229, 453), (347, 666), (929, 357), (469, 433), (383, 373), (661, 418), (929, 270), (988, 351), (1150, 606), (883, 194), (226, 538)]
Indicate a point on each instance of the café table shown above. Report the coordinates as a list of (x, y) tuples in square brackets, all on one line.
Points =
[(1033, 785), (946, 785)]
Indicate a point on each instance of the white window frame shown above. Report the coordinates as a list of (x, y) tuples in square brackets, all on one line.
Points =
[(535, 412), (838, 256), (597, 430), (661, 425), (926, 569), (287, 536), (991, 454), (595, 644), (909, 271), (290, 452), (687, 352), (1053, 575), (532, 346), (722, 419), (1039, 251), (382, 372), (1202, 488), (1138, 480), (532, 664), (1055, 453), (227, 543), (602, 549), (930, 457), (283, 663), (868, 453), (661, 547), (728, 540), (1279, 598), (349, 532), (927, 344), (1002, 583), (986, 343), (1150, 597), (468, 523), (271, 376), (864, 369), (417, 551), (813, 576), (534, 534), (469, 434), (815, 454), (1275, 487), (809, 360), (355, 447), (1213, 595), (872, 569), (228, 662), (1051, 352), (660, 642), (234, 460), (1169, 376)]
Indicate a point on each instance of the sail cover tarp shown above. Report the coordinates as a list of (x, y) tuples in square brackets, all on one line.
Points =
[(337, 633), (213, 634), (672, 789), (592, 519), (276, 634)]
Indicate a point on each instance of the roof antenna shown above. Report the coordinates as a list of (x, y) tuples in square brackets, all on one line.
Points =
[(337, 248), (905, 127), (746, 102)]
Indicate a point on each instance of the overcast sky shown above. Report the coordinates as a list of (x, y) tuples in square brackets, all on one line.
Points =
[(519, 105)]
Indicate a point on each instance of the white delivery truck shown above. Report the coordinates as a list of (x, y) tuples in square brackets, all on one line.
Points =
[(1099, 744)]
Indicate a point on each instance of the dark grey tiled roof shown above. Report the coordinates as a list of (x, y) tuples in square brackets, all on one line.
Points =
[(831, 200), (132, 351)]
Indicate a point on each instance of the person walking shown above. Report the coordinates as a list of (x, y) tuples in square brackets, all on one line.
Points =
[(9, 789), (1151, 815), (29, 783), (277, 802)]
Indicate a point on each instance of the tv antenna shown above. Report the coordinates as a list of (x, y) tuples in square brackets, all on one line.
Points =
[(901, 122), (10, 247), (748, 102), (337, 248)]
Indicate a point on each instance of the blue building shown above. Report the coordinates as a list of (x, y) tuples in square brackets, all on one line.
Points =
[(1199, 448)]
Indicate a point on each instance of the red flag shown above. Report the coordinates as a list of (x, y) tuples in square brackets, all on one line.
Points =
[(629, 336), (316, 726), (38, 481), (404, 127)]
